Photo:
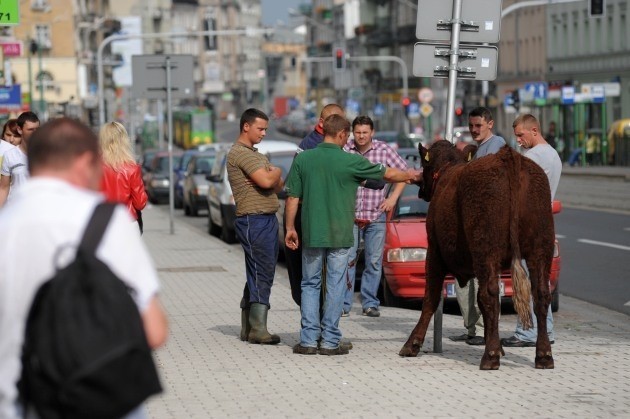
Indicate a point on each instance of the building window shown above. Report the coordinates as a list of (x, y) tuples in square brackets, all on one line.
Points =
[(40, 5), (42, 36)]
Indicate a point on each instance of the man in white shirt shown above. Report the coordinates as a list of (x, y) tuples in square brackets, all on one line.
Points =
[(40, 231), (14, 171), (528, 136)]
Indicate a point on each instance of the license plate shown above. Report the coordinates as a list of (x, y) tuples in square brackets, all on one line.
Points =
[(450, 290)]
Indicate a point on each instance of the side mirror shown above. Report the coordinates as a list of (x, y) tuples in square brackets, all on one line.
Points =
[(556, 207), (214, 178)]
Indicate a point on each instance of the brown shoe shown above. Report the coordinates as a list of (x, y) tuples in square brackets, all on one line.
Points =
[(339, 350), (304, 350)]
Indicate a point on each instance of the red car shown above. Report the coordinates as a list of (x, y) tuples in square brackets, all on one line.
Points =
[(404, 255)]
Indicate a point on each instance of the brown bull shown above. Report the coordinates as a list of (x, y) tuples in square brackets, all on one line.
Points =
[(485, 216)]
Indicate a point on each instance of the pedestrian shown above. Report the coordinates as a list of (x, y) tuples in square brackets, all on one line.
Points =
[(7, 139), (369, 217), (41, 229), (326, 179), (254, 183), (528, 136), (480, 124), (14, 171), (294, 256), (122, 176)]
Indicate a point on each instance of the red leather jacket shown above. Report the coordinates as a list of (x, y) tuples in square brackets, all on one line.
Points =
[(125, 186)]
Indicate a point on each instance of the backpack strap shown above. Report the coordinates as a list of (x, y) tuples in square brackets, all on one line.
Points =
[(96, 227)]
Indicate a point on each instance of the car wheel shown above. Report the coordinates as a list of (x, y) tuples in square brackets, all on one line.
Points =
[(389, 299), (193, 208), (227, 235), (213, 229), (186, 208), (555, 300)]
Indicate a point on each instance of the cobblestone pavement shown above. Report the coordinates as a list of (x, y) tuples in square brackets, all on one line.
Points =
[(208, 372)]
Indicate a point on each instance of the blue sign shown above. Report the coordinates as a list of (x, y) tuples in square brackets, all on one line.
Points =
[(508, 100), (353, 106), (379, 109), (414, 110), (11, 97), (568, 95), (538, 90)]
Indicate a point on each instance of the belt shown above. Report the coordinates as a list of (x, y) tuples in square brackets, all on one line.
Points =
[(361, 223)]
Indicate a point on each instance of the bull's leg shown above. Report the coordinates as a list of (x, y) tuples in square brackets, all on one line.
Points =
[(434, 287), (539, 277), (490, 307)]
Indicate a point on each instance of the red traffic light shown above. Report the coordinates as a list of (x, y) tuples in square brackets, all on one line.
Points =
[(339, 53), (406, 101), (459, 111)]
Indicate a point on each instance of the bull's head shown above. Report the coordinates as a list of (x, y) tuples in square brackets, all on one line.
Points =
[(440, 155)]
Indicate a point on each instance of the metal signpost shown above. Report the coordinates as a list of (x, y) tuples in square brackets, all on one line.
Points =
[(466, 24), (164, 77)]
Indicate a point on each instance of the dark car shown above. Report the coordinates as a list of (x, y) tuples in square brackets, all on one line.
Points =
[(196, 184), (179, 173), (156, 178)]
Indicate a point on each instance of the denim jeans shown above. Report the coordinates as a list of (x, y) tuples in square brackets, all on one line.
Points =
[(374, 238), (336, 267), (258, 235), (531, 335)]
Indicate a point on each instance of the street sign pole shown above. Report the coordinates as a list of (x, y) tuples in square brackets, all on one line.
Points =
[(169, 107), (452, 73)]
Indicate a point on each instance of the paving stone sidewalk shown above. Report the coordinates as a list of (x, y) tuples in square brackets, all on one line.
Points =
[(208, 372)]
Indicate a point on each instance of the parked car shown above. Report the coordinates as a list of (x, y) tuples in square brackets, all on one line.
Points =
[(221, 207), (146, 158), (396, 139), (195, 190), (462, 137), (405, 250), (180, 172), (156, 178)]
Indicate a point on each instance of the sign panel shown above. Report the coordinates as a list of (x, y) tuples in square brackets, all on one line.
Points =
[(481, 20), (9, 12), (11, 98), (568, 95), (476, 62), (413, 111), (11, 49), (426, 110), (425, 95), (611, 89), (149, 76)]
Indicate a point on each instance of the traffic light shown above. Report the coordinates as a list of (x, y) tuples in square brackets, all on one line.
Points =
[(596, 8), (340, 58), (405, 103), (516, 98)]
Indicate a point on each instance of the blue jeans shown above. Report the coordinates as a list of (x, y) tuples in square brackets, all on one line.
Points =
[(258, 235), (531, 335), (336, 267), (374, 238)]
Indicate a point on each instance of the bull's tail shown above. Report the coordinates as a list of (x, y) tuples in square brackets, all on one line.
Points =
[(520, 284)]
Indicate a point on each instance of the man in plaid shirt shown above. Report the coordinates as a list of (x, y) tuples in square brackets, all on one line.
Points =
[(370, 208)]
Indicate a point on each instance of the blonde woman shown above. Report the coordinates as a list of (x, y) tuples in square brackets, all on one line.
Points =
[(122, 177)]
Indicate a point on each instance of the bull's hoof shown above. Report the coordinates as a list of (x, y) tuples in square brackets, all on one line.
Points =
[(410, 349), (544, 361), (490, 362)]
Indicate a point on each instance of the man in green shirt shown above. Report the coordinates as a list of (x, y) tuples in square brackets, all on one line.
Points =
[(326, 179)]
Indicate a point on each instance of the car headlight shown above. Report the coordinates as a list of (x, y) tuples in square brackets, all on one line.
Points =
[(159, 183), (409, 254), (201, 190)]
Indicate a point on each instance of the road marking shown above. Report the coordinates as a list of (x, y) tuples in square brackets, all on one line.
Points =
[(560, 236), (614, 246)]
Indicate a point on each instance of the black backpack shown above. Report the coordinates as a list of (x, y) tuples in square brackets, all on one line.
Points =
[(85, 352)]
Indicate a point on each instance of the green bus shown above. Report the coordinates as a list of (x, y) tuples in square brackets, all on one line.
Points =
[(192, 128)]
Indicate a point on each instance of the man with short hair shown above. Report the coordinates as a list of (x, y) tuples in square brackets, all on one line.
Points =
[(14, 171), (254, 183), (294, 256), (326, 179), (369, 217), (528, 136), (65, 167), (480, 124)]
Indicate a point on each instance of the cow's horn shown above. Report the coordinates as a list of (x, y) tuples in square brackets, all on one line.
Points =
[(426, 157), (470, 156)]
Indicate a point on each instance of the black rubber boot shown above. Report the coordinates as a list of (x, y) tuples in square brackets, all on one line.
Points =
[(245, 326), (258, 322)]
